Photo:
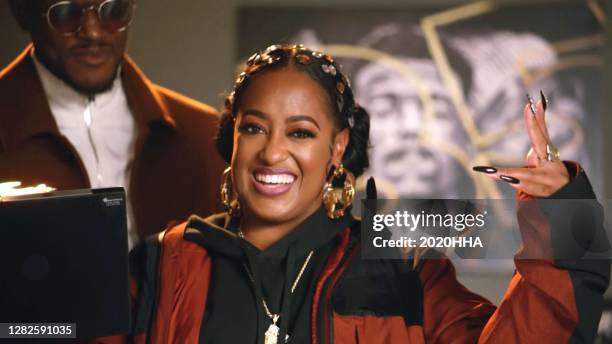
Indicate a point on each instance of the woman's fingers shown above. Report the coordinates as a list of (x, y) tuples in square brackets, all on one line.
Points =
[(528, 180), (541, 108), (541, 177), (536, 135), (537, 182), (532, 159)]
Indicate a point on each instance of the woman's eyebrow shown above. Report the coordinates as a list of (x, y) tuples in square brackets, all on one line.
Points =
[(298, 118), (256, 113)]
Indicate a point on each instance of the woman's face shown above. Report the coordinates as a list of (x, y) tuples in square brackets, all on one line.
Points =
[(284, 144)]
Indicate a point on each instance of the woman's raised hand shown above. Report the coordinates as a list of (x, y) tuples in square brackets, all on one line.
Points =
[(544, 174)]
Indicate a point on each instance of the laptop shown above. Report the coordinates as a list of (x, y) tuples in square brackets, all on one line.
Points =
[(64, 259)]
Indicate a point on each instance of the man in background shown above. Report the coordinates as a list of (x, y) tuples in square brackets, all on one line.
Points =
[(76, 112)]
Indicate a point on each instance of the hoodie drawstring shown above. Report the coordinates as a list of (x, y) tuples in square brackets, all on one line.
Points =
[(286, 301), (251, 260)]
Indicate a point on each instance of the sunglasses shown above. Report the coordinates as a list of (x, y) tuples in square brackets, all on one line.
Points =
[(66, 17)]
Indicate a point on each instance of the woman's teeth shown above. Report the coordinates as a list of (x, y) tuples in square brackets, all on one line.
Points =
[(275, 178)]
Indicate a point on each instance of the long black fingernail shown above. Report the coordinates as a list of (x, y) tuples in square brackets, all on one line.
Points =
[(532, 106), (509, 179), (484, 169), (544, 101)]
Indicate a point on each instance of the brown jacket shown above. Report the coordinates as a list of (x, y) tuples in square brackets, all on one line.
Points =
[(176, 170), (547, 300)]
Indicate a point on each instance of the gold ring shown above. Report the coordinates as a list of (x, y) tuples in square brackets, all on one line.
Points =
[(552, 153)]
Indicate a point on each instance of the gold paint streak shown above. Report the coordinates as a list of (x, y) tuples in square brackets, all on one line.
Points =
[(459, 13), (505, 159), (356, 52), (597, 11), (524, 72), (568, 62), (455, 152), (499, 134), (428, 25), (580, 43)]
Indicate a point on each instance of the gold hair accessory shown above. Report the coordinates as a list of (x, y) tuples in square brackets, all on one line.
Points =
[(231, 207), (330, 198), (340, 87), (303, 58), (329, 69), (240, 78)]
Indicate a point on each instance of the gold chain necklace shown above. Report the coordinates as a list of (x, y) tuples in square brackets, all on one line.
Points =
[(271, 335)]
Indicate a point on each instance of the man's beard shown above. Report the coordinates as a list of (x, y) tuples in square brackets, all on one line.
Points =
[(61, 73), (93, 89)]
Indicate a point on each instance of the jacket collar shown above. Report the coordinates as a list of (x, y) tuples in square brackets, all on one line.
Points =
[(218, 233), (146, 103), (26, 112)]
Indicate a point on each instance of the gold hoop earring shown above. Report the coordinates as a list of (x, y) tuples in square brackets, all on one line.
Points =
[(330, 198), (231, 207)]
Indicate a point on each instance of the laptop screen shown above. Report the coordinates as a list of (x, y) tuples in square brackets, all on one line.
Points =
[(64, 259)]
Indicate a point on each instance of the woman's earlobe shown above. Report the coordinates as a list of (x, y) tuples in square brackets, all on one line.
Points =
[(340, 144)]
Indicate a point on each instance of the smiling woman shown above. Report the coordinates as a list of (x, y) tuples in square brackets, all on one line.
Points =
[(283, 264), (285, 143), (289, 121)]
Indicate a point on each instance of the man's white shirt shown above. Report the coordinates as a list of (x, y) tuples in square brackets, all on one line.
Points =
[(101, 128)]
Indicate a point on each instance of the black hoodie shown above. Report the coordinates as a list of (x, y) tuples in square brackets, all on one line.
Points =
[(235, 312)]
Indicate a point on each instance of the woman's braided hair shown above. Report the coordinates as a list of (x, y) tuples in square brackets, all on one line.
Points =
[(324, 70)]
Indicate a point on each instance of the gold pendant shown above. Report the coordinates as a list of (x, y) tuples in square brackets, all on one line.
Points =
[(271, 335)]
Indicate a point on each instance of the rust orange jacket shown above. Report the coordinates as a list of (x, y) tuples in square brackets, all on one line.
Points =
[(547, 300), (174, 158)]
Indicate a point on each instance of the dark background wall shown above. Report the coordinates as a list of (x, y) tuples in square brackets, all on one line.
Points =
[(190, 45)]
